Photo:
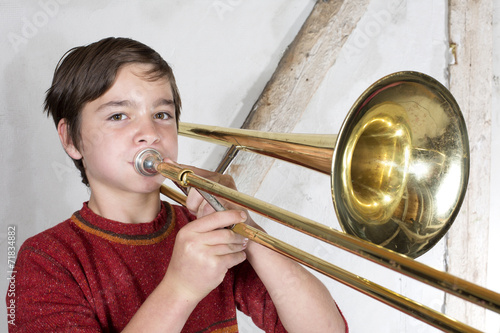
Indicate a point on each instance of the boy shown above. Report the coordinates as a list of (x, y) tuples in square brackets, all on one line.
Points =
[(128, 261)]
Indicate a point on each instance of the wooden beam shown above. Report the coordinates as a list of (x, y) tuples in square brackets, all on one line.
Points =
[(471, 35), (296, 79)]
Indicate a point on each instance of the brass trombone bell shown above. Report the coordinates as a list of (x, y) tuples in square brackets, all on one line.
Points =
[(399, 165)]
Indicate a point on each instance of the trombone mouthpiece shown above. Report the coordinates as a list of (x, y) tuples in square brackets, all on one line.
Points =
[(145, 161)]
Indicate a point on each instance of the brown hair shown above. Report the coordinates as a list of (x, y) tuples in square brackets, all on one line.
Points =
[(85, 73)]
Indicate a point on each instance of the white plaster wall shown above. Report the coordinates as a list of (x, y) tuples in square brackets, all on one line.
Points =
[(223, 52), (493, 322)]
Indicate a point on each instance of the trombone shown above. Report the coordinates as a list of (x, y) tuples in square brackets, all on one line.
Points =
[(399, 169)]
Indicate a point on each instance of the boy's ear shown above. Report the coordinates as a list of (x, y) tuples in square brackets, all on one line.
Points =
[(67, 142)]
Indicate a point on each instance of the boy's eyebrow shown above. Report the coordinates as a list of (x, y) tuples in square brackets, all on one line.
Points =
[(114, 104), (127, 103), (163, 102)]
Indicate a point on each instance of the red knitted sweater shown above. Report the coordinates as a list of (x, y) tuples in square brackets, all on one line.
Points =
[(90, 274)]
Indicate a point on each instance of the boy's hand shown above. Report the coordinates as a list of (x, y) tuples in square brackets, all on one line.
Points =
[(203, 253), (195, 202), (198, 206), (204, 250)]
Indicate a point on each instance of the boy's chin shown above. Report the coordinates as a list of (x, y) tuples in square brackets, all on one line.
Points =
[(149, 186)]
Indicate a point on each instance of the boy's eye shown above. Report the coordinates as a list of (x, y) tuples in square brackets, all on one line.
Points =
[(118, 116), (162, 115)]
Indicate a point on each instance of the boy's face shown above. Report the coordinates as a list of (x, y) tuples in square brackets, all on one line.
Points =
[(133, 114)]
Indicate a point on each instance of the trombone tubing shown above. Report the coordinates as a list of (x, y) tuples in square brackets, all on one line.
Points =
[(390, 259), (386, 296)]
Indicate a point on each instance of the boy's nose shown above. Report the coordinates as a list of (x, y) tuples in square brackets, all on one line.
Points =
[(147, 133)]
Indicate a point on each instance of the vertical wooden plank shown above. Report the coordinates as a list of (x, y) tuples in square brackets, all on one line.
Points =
[(471, 83)]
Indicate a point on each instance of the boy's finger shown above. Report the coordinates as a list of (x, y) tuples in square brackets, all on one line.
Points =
[(218, 220)]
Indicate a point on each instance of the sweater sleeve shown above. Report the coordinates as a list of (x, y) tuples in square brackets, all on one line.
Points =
[(47, 297), (252, 299)]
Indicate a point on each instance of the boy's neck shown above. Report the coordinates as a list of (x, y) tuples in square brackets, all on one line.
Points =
[(133, 208)]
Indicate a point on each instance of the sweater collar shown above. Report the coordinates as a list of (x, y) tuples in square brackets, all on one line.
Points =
[(138, 233)]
